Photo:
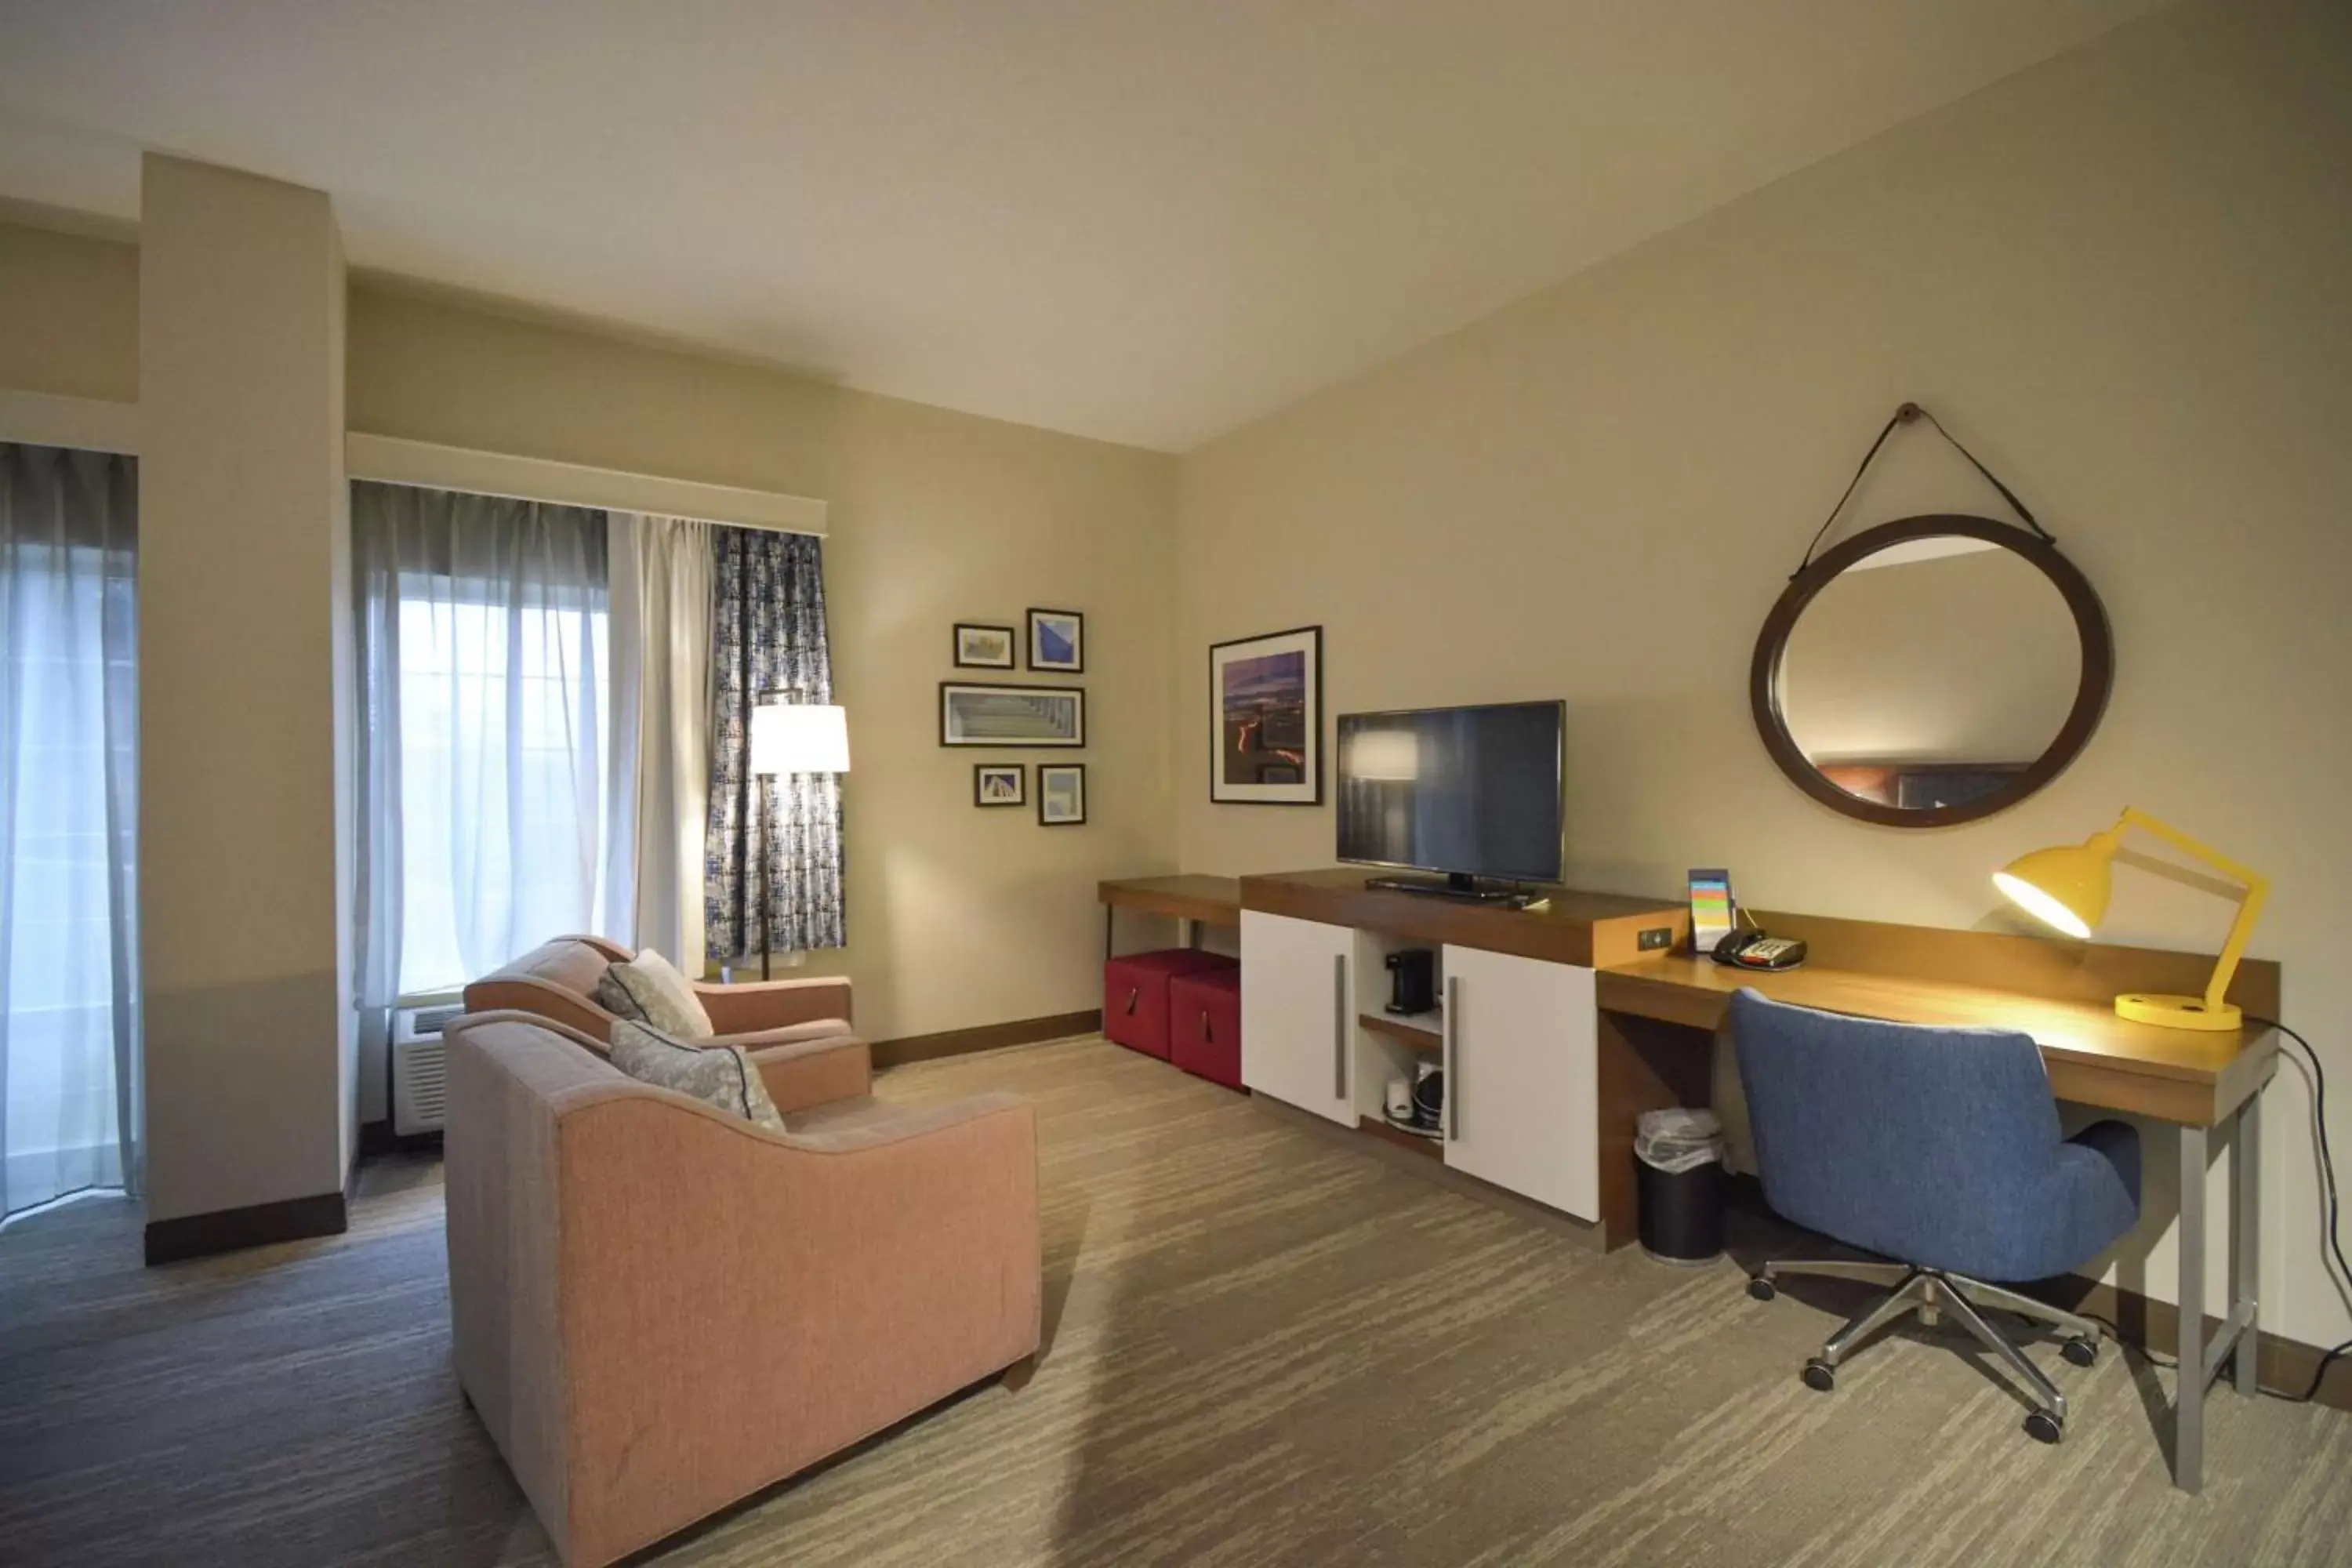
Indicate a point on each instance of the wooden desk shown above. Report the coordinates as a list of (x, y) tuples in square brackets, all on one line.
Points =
[(1190, 900), (1658, 1014), (2095, 1057)]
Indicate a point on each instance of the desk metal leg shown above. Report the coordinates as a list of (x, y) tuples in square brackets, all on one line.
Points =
[(1111, 925), (2246, 1241), (2188, 1397)]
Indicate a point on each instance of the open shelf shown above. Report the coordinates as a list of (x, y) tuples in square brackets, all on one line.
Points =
[(1378, 1128), (1421, 1031)]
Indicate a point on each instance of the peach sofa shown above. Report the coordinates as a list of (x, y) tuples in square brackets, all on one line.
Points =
[(557, 980), (659, 1309)]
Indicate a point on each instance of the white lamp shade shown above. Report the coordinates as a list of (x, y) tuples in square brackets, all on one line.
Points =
[(799, 738)]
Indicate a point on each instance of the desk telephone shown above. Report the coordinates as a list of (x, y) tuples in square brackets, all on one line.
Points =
[(1754, 949)]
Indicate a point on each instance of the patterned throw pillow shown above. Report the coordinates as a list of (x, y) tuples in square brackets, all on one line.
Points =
[(663, 996), (722, 1076), (615, 998)]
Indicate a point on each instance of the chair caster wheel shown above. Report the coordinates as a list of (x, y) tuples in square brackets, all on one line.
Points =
[(1762, 1289), (1820, 1375), (2082, 1349), (2044, 1428)]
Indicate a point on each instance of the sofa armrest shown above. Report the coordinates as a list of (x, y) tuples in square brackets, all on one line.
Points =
[(525, 994), (754, 1004), (803, 1073)]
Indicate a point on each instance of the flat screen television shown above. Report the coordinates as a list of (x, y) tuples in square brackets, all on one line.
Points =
[(1471, 791)]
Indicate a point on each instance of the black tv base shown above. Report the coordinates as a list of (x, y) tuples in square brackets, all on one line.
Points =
[(1468, 889)]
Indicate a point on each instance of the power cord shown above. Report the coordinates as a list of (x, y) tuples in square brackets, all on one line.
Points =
[(2335, 1237), (2327, 1191)]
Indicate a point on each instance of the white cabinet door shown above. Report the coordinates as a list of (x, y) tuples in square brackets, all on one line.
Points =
[(1522, 1089), (1298, 1000)]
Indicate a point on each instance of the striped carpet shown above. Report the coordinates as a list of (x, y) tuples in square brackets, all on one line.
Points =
[(1265, 1345)]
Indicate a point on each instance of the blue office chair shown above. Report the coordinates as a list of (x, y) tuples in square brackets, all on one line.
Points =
[(1938, 1149)]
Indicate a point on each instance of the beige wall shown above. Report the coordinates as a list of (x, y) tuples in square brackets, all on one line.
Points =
[(2120, 276), (69, 314), (956, 916), (242, 866)]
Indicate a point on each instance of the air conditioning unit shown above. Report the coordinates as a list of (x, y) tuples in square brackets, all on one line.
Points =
[(420, 1068)]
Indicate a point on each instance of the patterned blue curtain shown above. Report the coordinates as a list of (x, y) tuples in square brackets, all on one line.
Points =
[(768, 644)]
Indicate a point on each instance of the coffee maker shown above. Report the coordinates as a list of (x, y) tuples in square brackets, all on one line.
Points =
[(1412, 980)]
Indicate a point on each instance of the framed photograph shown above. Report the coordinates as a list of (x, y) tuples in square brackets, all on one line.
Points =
[(974, 714), (999, 784), (1061, 794), (1057, 641), (1265, 701), (984, 647)]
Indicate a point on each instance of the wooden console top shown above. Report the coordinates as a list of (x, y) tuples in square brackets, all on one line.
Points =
[(1595, 929), (1215, 900)]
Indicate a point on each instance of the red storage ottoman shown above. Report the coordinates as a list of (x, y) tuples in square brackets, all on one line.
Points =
[(1204, 1023), (1135, 995)]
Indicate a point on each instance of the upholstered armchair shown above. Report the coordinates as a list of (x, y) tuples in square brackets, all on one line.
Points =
[(798, 1031), (659, 1308)]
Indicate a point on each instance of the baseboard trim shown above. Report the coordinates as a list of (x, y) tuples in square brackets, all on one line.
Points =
[(377, 1138), (258, 1225), (986, 1037)]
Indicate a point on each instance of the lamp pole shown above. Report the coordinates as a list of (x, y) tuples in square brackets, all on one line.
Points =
[(765, 889)]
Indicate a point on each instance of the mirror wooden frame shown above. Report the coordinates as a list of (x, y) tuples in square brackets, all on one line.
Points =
[(2090, 698)]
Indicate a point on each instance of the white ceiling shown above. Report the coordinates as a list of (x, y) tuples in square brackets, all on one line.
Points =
[(1145, 220)]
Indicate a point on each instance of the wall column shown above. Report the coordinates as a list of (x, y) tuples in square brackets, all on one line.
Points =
[(244, 675)]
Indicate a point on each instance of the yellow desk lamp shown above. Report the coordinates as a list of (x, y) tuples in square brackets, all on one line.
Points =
[(2066, 888)]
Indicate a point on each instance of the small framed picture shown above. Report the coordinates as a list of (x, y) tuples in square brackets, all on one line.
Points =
[(999, 784), (983, 648), (1061, 794), (973, 713), (1057, 641)]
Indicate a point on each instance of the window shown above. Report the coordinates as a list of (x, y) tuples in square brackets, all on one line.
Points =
[(504, 745), (68, 818)]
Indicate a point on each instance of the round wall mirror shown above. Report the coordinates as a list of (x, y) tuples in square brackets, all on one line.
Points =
[(1931, 671)]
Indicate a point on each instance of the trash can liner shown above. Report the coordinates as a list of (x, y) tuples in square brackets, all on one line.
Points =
[(1678, 1139)]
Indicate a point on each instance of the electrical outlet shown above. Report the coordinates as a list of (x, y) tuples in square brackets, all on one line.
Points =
[(1657, 938)]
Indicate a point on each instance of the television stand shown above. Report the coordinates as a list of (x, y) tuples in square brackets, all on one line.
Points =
[(1468, 889)]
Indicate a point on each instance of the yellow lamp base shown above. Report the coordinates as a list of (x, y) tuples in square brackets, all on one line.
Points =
[(2178, 1012)]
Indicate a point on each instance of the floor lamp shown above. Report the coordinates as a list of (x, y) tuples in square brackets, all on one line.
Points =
[(792, 738)]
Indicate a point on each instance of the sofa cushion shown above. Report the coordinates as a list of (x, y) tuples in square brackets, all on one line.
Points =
[(663, 995), (722, 1076), (615, 998)]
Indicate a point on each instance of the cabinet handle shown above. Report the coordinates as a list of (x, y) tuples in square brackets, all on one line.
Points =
[(1452, 1024), (1339, 1025)]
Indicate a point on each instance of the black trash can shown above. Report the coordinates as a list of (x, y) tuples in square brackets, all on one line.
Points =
[(1682, 1212), (1678, 1171)]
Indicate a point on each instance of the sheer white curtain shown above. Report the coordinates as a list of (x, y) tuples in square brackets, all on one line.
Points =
[(69, 1114), (484, 643), (661, 642)]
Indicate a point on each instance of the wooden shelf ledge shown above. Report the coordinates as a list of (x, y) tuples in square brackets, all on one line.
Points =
[(1421, 1031)]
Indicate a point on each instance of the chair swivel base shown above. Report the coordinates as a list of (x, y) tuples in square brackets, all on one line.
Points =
[(1931, 1292)]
